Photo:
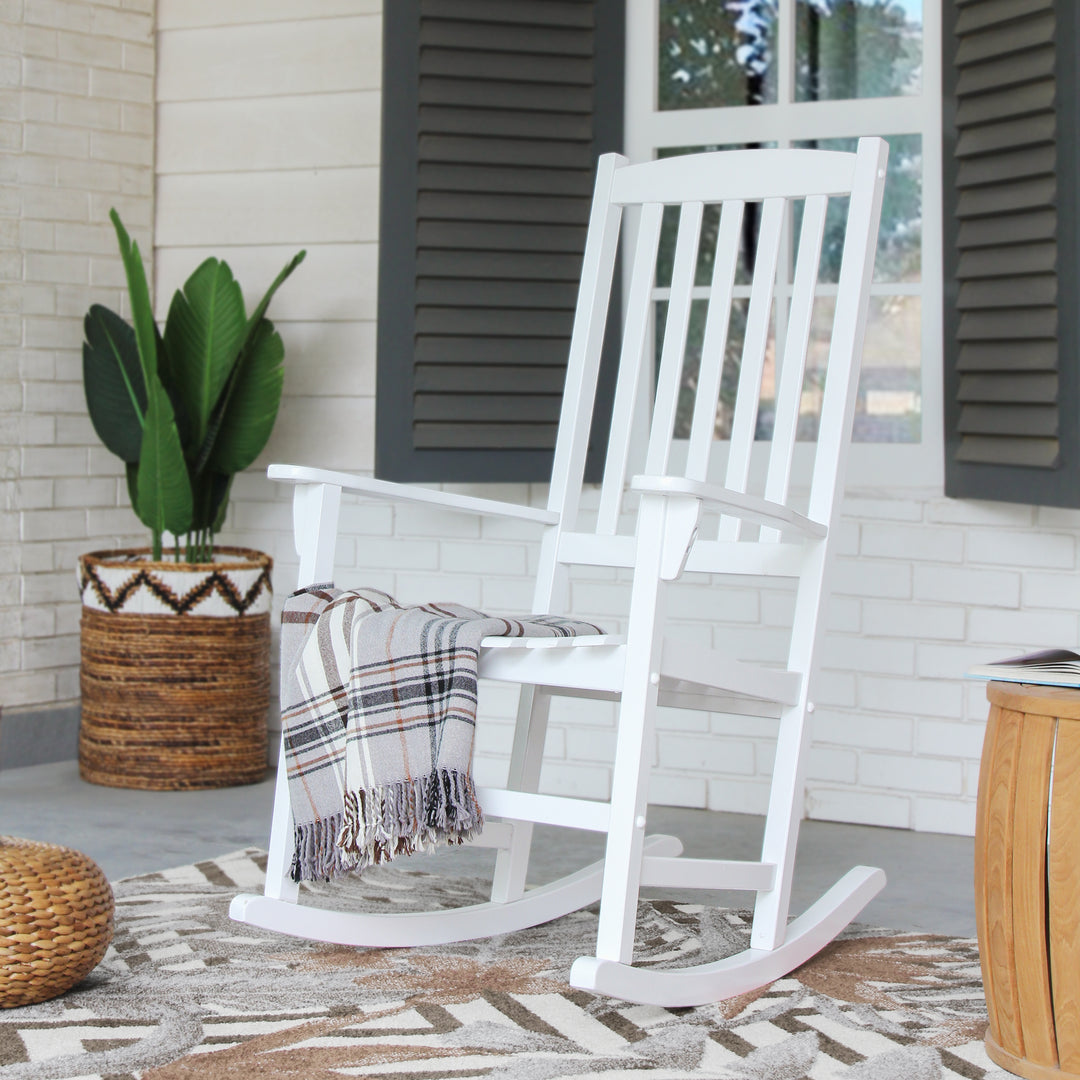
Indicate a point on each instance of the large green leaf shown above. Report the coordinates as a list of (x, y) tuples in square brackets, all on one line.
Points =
[(252, 404), (142, 313), (264, 303), (204, 331), (164, 491), (210, 492), (113, 382)]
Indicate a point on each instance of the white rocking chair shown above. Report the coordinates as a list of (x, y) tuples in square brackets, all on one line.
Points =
[(645, 668)]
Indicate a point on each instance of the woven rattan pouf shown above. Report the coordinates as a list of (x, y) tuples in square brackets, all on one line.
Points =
[(56, 920)]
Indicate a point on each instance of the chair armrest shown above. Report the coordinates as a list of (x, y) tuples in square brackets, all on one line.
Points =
[(370, 488), (736, 503)]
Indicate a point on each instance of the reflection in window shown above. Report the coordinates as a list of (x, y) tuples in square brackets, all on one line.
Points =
[(899, 251), (715, 53), (857, 48)]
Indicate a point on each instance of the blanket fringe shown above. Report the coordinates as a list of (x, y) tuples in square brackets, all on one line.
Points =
[(383, 822)]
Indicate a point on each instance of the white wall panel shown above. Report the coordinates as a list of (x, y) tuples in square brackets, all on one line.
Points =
[(270, 59)]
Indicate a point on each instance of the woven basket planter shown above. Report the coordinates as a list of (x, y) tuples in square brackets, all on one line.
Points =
[(175, 670), (56, 920)]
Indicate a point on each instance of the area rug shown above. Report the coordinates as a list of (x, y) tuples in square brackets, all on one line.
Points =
[(185, 993)]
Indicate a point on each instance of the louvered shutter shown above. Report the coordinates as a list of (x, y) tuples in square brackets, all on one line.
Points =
[(1010, 250), (494, 113)]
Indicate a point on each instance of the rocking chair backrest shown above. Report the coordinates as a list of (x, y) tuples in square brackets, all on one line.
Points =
[(732, 179)]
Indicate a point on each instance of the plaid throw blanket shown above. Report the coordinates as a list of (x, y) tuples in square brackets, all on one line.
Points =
[(378, 703)]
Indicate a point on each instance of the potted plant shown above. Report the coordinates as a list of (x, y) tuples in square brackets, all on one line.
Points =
[(175, 640)]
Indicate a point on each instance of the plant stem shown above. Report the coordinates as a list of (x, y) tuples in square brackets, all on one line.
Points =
[(156, 544)]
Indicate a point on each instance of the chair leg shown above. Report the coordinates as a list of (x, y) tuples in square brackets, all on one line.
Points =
[(279, 883), (782, 828), (526, 758)]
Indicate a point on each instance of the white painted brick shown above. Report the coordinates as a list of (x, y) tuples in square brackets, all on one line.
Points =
[(29, 688), (964, 585), (674, 789), (480, 558), (833, 766), (1051, 590), (944, 815), (713, 755), (591, 744), (53, 524), (54, 461), (995, 515), (121, 86), (859, 507), (738, 796), (1037, 628), (752, 727), (911, 697), (917, 621), (92, 51), (427, 588), (48, 588), (51, 75), (863, 731), (579, 781), (1023, 550), (950, 661), (911, 774), (696, 601), (940, 739), (669, 719), (912, 542), (53, 652), (862, 654), (872, 577), (836, 688), (843, 614), (123, 149), (1057, 517), (508, 596), (861, 807)]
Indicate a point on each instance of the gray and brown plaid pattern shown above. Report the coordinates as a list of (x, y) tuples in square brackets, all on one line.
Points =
[(378, 704)]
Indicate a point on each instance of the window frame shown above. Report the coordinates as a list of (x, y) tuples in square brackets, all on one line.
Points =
[(648, 130)]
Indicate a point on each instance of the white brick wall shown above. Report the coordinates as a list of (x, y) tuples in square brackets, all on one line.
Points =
[(77, 134)]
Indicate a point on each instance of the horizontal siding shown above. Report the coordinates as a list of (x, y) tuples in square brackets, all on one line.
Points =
[(274, 59), (268, 141)]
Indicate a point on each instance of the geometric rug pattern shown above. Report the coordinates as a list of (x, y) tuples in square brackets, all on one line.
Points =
[(186, 993)]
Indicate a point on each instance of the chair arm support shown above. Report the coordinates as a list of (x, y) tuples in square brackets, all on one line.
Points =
[(368, 487), (736, 503)]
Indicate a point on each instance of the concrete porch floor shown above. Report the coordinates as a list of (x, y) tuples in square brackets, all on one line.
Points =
[(132, 832)]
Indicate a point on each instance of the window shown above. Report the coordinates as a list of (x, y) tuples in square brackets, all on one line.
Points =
[(713, 74)]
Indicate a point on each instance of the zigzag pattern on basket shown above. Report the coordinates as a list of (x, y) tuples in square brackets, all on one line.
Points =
[(128, 587)]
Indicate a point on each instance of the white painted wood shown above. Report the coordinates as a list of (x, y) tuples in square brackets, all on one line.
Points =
[(683, 873), (638, 320), (736, 174), (789, 390), (675, 327), (694, 665), (759, 321), (403, 929), (316, 508), (747, 507), (743, 972), (637, 711), (725, 263), (385, 489), (526, 759), (279, 883), (545, 809), (646, 667)]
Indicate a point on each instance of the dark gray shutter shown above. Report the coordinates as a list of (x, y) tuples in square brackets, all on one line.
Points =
[(1010, 250), (494, 113)]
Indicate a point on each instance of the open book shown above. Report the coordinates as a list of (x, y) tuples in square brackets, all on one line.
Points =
[(1049, 667)]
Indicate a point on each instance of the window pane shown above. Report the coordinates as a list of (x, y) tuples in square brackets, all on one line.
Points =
[(899, 252), (715, 53), (889, 405), (857, 48)]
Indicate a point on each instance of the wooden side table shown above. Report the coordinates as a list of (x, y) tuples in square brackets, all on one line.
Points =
[(1027, 879)]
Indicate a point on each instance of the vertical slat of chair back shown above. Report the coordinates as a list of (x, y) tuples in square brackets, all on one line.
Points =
[(849, 327), (714, 345), (631, 367), (755, 341), (793, 367), (582, 370), (675, 329)]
